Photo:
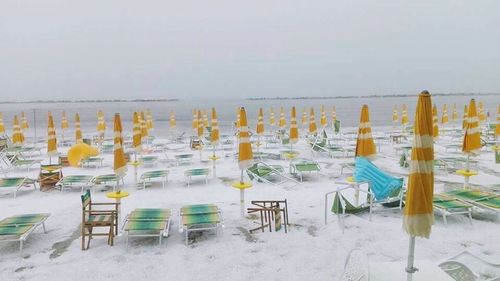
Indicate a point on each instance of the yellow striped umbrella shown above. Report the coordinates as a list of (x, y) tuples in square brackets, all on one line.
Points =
[(51, 137), (481, 115), (245, 156), (472, 137), (294, 130), (304, 117), (282, 122), (312, 122), (435, 128), (260, 122), (418, 214), (136, 133), (454, 114), (365, 147), (24, 121), (194, 123), (404, 116), (101, 124), (17, 136), (323, 120), (2, 126), (144, 127), (497, 126), (64, 121), (78, 129), (172, 122), (214, 134), (444, 117), (395, 117), (149, 120), (119, 163), (272, 119), (464, 120), (200, 125)]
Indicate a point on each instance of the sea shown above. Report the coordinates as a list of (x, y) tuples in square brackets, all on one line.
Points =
[(347, 111)]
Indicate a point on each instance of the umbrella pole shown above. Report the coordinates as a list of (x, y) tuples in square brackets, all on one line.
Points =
[(135, 169), (214, 158), (411, 256), (258, 143), (467, 167), (242, 197)]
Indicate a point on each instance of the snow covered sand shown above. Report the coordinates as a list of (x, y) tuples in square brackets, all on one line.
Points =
[(310, 250)]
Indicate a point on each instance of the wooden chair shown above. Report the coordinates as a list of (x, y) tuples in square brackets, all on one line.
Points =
[(98, 218), (49, 176), (271, 211)]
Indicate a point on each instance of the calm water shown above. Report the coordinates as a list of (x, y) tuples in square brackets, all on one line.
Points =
[(347, 111)]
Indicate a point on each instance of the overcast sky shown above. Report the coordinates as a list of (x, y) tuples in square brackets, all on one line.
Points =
[(55, 49)]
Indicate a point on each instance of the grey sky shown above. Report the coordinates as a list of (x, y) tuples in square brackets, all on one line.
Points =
[(179, 49)]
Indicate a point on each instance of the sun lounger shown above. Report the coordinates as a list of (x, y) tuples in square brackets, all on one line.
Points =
[(263, 172), (15, 183), (19, 227), (184, 159), (485, 200), (49, 175), (303, 167), (71, 181), (195, 218), (106, 180), (149, 160), (95, 162), (148, 177), (16, 161), (448, 206), (343, 207), (188, 174), (147, 223)]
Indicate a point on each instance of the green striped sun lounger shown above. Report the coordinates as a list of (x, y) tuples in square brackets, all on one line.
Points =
[(448, 206), (183, 159), (15, 183), (71, 181), (482, 199), (148, 177), (106, 180), (95, 162), (151, 222), (18, 228), (196, 218), (149, 160), (301, 168), (188, 174)]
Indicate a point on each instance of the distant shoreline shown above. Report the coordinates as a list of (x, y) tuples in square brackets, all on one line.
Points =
[(371, 96), (90, 101)]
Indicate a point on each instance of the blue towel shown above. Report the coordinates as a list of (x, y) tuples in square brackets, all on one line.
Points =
[(382, 184)]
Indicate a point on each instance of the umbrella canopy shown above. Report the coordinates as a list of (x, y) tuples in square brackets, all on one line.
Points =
[(214, 134), (24, 121), (119, 163), (200, 125), (365, 147), (2, 126), (136, 132), (454, 114), (323, 121), (144, 126), (464, 120), (395, 117), (51, 137), (64, 121), (304, 117), (260, 122), (78, 130), (172, 123), (272, 119), (404, 115), (472, 136), (282, 122), (17, 135), (194, 123), (444, 117), (245, 154), (312, 122), (149, 120), (497, 126), (79, 152), (481, 115), (294, 130), (101, 124), (435, 128), (418, 214)]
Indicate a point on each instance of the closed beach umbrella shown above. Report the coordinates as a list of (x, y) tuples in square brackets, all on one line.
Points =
[(214, 134), (282, 122), (172, 123), (149, 120), (144, 126), (51, 137), (200, 125), (17, 135), (24, 121), (64, 121), (304, 117), (2, 126), (497, 126), (334, 116), (365, 147), (464, 120), (194, 123), (435, 129), (119, 163), (454, 114), (323, 121), (481, 115), (136, 133), (472, 137), (294, 130), (312, 122), (404, 116), (205, 118), (272, 119), (260, 122), (101, 124), (395, 117), (444, 117), (78, 130), (418, 216), (245, 154)]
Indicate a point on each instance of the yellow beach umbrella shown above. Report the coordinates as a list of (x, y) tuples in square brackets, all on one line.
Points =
[(17, 136), (334, 115), (282, 122), (194, 122), (395, 117), (214, 134), (481, 114), (444, 117), (472, 139), (464, 120), (294, 130), (144, 126), (304, 117), (312, 122), (272, 119), (172, 123), (200, 125), (245, 157), (497, 126), (136, 133), (78, 130), (24, 121), (2, 126), (323, 121), (205, 118), (435, 128), (149, 120), (101, 124), (404, 116), (365, 147), (418, 216), (51, 137), (119, 163), (64, 121), (454, 114), (260, 122)]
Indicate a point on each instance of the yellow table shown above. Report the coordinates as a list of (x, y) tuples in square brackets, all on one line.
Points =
[(118, 195), (467, 174), (242, 186)]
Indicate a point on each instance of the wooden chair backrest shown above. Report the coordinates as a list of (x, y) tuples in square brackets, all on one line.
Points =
[(86, 199)]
